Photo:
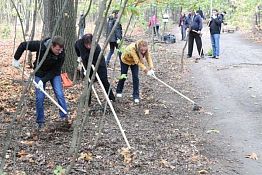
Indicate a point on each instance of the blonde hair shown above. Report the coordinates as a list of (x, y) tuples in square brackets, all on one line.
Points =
[(142, 43)]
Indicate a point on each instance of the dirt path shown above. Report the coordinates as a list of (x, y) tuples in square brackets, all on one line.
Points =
[(231, 91)]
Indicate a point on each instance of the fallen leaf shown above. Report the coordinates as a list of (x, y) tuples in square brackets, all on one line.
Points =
[(165, 163), (86, 156), (146, 111), (252, 156), (21, 154), (29, 143), (203, 172), (212, 130), (126, 153)]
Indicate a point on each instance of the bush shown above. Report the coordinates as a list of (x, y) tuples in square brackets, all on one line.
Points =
[(5, 31)]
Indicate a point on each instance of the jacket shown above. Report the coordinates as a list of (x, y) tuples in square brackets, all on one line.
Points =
[(52, 65), (131, 56), (83, 52), (118, 31), (188, 21), (215, 25), (197, 23)]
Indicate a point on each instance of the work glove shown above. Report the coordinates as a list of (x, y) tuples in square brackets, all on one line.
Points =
[(79, 59), (214, 16), (15, 63), (151, 73), (118, 41), (40, 85), (79, 67)]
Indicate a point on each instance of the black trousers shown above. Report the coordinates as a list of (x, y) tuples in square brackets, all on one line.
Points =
[(191, 37), (102, 72)]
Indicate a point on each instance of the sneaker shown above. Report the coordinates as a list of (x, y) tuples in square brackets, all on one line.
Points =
[(188, 56), (119, 95), (217, 57), (136, 100)]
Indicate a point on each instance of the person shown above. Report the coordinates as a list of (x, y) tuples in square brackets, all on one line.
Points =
[(134, 57), (50, 71), (82, 49), (82, 25), (195, 34), (165, 20), (188, 21), (116, 37), (215, 29), (182, 25), (153, 22)]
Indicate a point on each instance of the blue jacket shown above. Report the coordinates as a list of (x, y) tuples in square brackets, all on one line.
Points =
[(197, 23), (188, 21)]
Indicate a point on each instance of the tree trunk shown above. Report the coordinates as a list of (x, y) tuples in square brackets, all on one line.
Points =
[(66, 29), (27, 16)]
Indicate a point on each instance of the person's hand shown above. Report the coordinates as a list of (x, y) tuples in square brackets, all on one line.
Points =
[(40, 84), (151, 73), (79, 67), (214, 16), (118, 41), (79, 59), (15, 63)]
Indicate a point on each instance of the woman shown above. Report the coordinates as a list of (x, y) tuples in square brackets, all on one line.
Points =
[(134, 57)]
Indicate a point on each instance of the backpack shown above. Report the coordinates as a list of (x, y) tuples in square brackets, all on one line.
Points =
[(169, 38)]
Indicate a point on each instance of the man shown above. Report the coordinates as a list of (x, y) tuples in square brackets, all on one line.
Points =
[(82, 49), (182, 25), (116, 37), (82, 25), (194, 34), (215, 28), (50, 70), (135, 56)]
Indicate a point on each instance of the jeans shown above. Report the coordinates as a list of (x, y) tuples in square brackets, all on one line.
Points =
[(135, 71), (40, 96), (194, 36), (81, 32), (215, 44), (183, 32), (113, 45)]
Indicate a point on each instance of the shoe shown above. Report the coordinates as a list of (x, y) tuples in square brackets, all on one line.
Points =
[(136, 100), (213, 57), (217, 57), (188, 56), (65, 123), (119, 95), (202, 56)]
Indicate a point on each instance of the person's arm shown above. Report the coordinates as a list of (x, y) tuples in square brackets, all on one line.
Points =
[(56, 70), (77, 49), (218, 20), (119, 31), (149, 60), (200, 23), (33, 46)]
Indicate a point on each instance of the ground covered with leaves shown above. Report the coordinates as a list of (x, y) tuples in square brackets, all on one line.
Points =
[(165, 134)]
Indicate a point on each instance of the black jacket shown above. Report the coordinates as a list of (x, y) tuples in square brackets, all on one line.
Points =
[(118, 31), (52, 65), (215, 25), (83, 52)]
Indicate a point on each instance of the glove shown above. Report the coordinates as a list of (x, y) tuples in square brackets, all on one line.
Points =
[(79, 59), (151, 73), (79, 67), (40, 84), (15, 63), (118, 41)]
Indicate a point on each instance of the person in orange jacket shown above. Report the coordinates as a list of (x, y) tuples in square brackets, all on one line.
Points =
[(134, 57)]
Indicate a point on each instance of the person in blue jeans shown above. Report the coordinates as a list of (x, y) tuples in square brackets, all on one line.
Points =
[(215, 29), (134, 57), (50, 70)]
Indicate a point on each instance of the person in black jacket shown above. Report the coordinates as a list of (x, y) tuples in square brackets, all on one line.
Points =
[(194, 34), (215, 28), (50, 70), (82, 25), (116, 37), (82, 49)]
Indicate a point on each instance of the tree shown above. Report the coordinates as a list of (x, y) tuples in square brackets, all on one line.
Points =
[(66, 29)]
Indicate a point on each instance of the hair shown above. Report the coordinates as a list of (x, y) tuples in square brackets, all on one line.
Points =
[(215, 10), (58, 40), (142, 43), (87, 38), (115, 11)]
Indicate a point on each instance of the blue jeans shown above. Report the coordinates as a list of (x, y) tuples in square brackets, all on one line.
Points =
[(183, 32), (135, 71), (215, 44), (113, 45), (81, 32), (40, 96)]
